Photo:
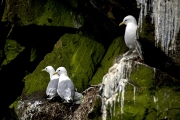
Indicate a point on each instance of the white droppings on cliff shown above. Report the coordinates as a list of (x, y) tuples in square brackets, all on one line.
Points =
[(134, 95), (114, 83), (77, 21), (155, 99), (165, 17)]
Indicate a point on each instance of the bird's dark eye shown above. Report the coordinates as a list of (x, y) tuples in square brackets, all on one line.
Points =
[(46, 68), (125, 20)]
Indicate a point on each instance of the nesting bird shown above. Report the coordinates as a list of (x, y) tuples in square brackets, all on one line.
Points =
[(51, 90), (130, 34), (65, 86)]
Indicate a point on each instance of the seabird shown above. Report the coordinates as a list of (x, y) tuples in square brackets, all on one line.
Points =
[(51, 90), (65, 86), (130, 34)]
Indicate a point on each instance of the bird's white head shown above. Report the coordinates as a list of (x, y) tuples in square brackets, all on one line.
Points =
[(49, 69), (128, 19), (61, 70)]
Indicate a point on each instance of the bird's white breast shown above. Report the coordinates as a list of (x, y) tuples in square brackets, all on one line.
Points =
[(63, 77), (130, 34), (53, 77)]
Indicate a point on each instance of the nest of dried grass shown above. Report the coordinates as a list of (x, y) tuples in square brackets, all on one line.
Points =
[(56, 110)]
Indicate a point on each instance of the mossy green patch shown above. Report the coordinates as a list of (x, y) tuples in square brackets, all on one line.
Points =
[(12, 109), (84, 60), (133, 108), (12, 49), (117, 47), (151, 101), (168, 104), (43, 12), (23, 12), (77, 53), (142, 76), (56, 14), (33, 54)]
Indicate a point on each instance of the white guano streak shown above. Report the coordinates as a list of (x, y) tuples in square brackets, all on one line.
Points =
[(165, 17)]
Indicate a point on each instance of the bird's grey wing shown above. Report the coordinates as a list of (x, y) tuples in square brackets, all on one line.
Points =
[(52, 87), (139, 49), (66, 88), (138, 46)]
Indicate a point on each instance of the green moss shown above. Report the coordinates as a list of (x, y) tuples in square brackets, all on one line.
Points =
[(33, 54), (12, 109), (142, 76), (58, 14), (43, 12), (76, 53), (23, 12), (136, 109), (151, 101), (12, 49), (13, 104), (117, 47), (151, 114), (133, 109), (168, 103), (84, 60)]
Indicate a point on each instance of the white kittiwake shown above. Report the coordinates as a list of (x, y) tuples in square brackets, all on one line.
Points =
[(51, 90), (130, 34), (65, 88)]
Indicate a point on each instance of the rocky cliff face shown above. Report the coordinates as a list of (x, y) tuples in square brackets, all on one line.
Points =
[(84, 37)]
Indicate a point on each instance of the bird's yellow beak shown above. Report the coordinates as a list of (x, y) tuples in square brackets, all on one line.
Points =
[(43, 70), (122, 23), (54, 73)]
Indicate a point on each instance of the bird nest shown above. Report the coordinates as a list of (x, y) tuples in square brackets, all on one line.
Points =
[(34, 109)]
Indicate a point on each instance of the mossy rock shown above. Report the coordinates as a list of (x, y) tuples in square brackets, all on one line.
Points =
[(43, 12), (77, 53), (153, 98), (12, 49), (117, 47)]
